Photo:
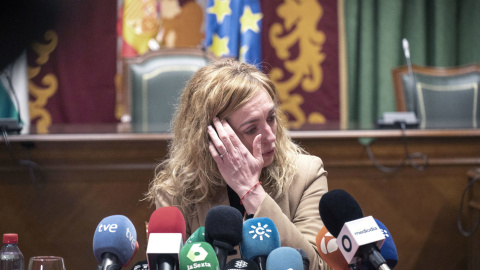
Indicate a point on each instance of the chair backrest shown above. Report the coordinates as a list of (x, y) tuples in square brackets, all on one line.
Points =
[(152, 84), (440, 97)]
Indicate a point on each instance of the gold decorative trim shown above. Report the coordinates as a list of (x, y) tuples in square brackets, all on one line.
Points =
[(458, 87), (42, 94)]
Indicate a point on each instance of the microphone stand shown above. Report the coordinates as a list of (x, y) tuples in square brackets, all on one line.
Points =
[(261, 262), (165, 263), (109, 262)]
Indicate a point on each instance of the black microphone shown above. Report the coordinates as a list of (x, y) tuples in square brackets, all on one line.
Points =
[(223, 230), (356, 235)]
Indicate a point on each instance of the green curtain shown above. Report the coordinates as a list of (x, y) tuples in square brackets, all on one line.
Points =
[(440, 32)]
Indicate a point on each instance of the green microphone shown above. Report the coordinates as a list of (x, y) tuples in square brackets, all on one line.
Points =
[(197, 236), (198, 256)]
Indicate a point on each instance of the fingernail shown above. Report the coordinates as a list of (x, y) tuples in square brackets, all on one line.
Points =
[(210, 128)]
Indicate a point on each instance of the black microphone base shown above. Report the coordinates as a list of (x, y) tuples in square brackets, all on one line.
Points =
[(109, 262), (262, 262)]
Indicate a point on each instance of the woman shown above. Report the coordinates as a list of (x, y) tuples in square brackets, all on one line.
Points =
[(230, 148)]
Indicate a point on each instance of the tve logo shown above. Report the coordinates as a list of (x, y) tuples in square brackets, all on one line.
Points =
[(112, 228), (107, 228)]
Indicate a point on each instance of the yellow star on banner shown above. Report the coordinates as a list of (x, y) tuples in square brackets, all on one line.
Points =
[(243, 52), (250, 20), (220, 8), (219, 46)]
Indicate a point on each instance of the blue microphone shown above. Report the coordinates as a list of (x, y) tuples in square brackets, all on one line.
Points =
[(388, 249), (114, 242), (285, 258), (260, 237)]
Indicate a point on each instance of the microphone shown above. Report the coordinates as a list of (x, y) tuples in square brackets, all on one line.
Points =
[(388, 249), (328, 249), (223, 230), (406, 51), (114, 242), (284, 258), (141, 265), (305, 259), (260, 237), (344, 219), (166, 233), (239, 264), (197, 236), (198, 256)]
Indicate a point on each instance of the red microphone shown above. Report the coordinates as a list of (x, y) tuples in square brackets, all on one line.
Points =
[(166, 235), (328, 249), (167, 219)]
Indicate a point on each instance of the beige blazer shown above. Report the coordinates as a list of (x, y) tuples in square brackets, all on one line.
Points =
[(295, 213)]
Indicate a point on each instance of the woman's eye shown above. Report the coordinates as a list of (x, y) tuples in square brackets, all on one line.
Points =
[(271, 118), (250, 130)]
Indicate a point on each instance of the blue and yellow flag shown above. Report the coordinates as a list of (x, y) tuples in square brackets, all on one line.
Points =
[(233, 29)]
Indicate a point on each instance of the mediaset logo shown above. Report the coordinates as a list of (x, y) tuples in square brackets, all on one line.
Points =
[(366, 230)]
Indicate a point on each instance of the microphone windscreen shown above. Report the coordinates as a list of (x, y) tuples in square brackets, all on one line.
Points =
[(284, 258), (239, 264), (260, 237), (306, 260), (223, 227), (388, 249), (133, 255), (116, 235), (141, 265), (337, 207), (197, 236), (198, 256), (328, 249), (167, 219)]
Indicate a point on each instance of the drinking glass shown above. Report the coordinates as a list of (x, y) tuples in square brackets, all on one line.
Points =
[(46, 263)]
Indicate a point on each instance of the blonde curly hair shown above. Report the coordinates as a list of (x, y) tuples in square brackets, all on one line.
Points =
[(189, 174)]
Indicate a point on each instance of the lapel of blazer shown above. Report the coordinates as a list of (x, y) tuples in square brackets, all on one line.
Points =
[(203, 208)]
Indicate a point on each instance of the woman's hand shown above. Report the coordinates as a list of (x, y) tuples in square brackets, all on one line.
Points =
[(239, 168)]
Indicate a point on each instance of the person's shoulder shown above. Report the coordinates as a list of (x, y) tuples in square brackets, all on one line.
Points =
[(308, 160), (310, 167)]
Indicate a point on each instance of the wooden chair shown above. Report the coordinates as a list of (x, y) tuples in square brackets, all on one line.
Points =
[(440, 97), (152, 84)]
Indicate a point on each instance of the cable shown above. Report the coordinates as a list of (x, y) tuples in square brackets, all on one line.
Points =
[(459, 217), (408, 156), (32, 166)]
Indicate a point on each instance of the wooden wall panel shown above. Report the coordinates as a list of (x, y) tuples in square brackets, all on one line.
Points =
[(89, 177)]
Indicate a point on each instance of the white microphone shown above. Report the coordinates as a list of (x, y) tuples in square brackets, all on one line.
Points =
[(166, 234), (356, 234)]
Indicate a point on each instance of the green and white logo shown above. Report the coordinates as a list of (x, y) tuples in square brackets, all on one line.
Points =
[(197, 253)]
